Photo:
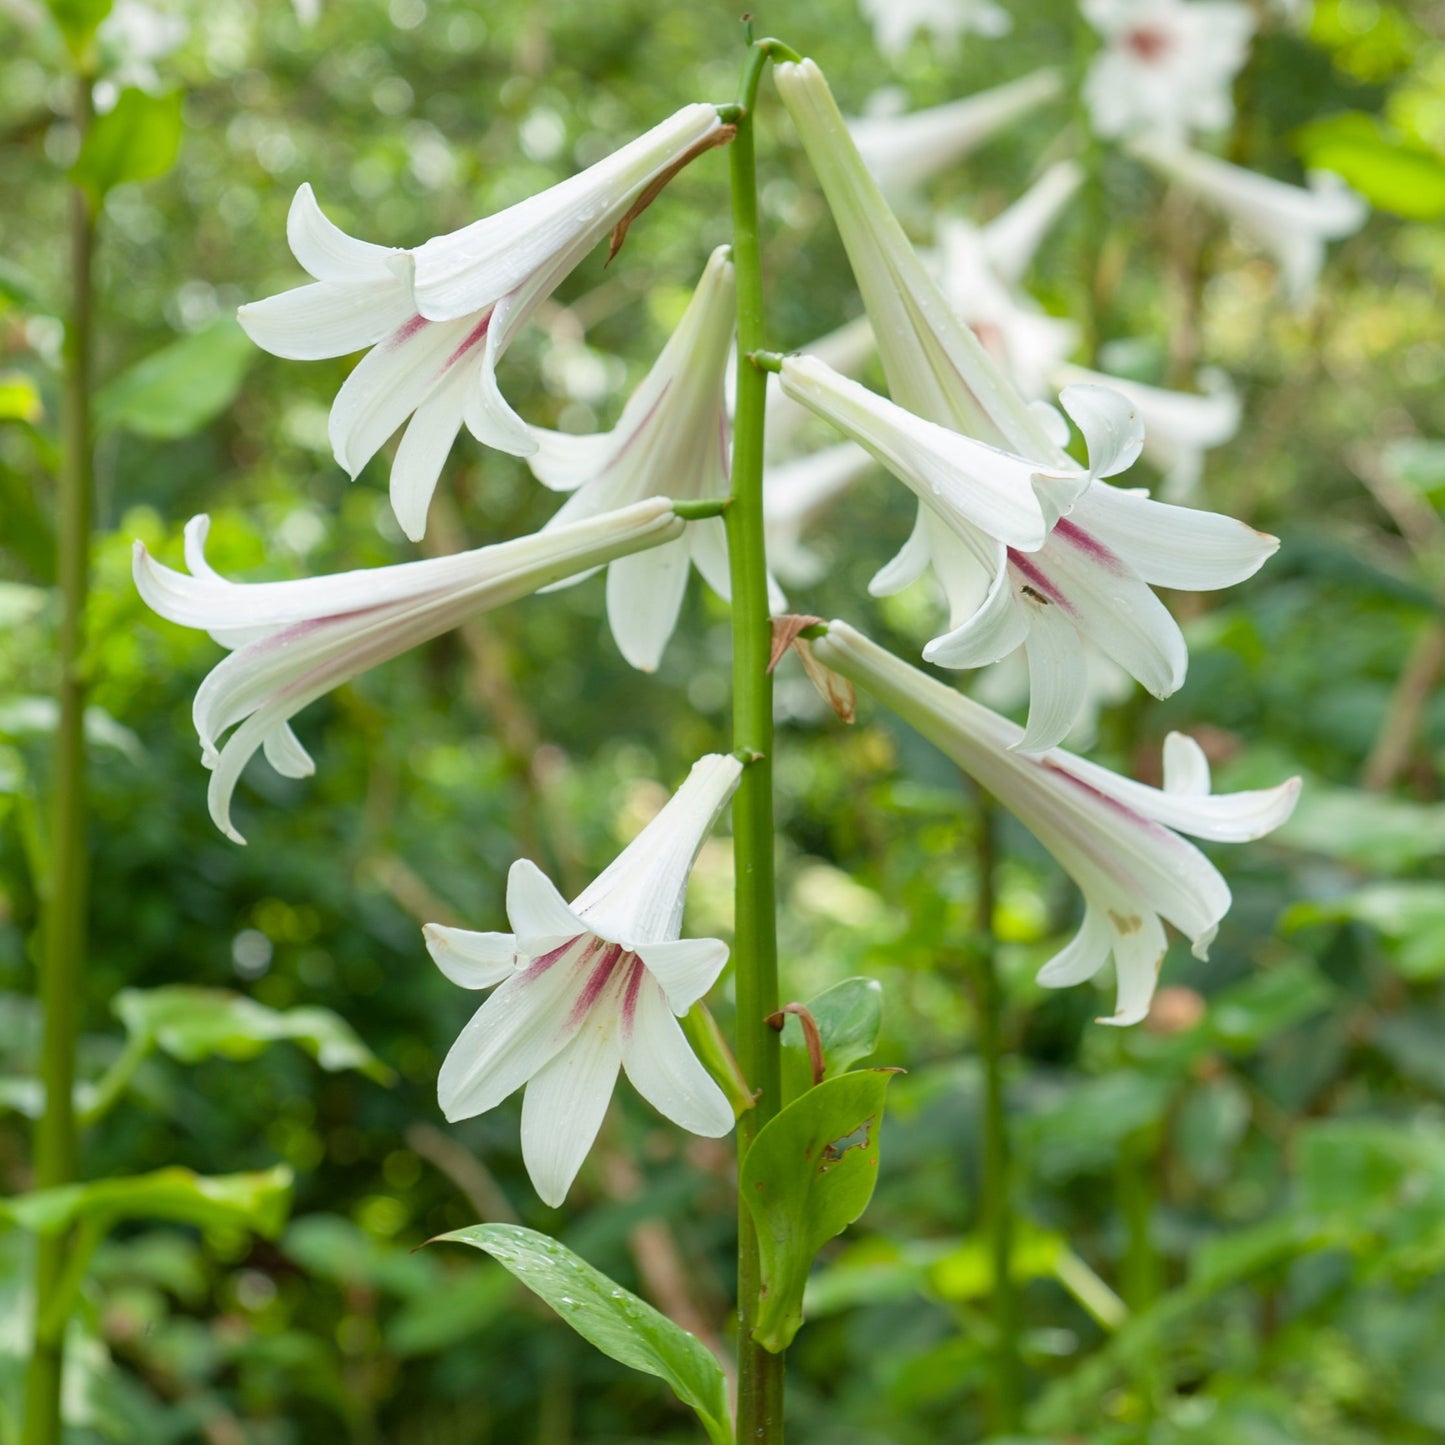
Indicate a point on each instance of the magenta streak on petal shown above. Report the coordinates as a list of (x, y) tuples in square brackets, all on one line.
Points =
[(629, 995), (405, 332), (1098, 794), (543, 962), (1037, 580), (472, 337), (1087, 543), (641, 425), (596, 982)]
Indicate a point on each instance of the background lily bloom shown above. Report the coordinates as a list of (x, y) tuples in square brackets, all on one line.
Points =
[(440, 317), (295, 641), (589, 987), (671, 440), (896, 22), (1115, 838)]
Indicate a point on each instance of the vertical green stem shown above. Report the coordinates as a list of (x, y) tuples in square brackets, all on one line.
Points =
[(65, 885), (1141, 1275), (997, 1189), (760, 1373)]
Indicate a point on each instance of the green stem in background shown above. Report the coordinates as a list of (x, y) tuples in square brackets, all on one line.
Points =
[(65, 894), (755, 951), (1141, 1276), (996, 1202)]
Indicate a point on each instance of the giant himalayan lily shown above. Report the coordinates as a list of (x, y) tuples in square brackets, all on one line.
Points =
[(438, 318), (671, 440), (1292, 223), (1167, 67), (896, 22), (1117, 839), (1093, 572), (295, 641), (590, 986)]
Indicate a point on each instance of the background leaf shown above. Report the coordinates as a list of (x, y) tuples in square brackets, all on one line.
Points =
[(849, 1016), (137, 140), (180, 388)]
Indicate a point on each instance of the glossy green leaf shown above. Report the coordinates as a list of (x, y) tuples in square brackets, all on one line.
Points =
[(191, 1024), (809, 1174), (177, 390), (848, 1015), (136, 141), (619, 1324), (257, 1201), (1388, 170)]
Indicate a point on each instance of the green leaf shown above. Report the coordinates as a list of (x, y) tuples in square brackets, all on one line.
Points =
[(1379, 834), (619, 1324), (848, 1016), (809, 1174), (177, 390), (1265, 1004), (1388, 170), (79, 20), (136, 141), (257, 1201), (19, 398), (1086, 1128), (1410, 916), (191, 1024)]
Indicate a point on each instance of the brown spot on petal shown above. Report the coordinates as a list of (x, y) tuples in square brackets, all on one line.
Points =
[(719, 137), (1132, 924)]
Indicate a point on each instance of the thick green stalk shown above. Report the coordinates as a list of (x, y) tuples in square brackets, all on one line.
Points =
[(755, 951), (66, 883)]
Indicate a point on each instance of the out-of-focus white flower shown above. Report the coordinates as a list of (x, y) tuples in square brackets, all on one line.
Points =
[(1292, 223), (1114, 837), (588, 987), (439, 318), (1167, 66), (896, 22), (1005, 686), (794, 494), (295, 641), (1012, 238), (671, 440), (1179, 426), (133, 37), (903, 151)]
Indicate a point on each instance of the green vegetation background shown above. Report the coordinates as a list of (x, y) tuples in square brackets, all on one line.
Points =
[(1256, 1182)]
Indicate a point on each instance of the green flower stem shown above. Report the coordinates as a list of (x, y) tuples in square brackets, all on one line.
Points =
[(755, 953), (65, 894), (111, 1085), (1141, 1272)]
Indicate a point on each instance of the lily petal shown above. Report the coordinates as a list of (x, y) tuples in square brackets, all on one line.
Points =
[(662, 1067), (471, 960), (685, 968), (538, 913)]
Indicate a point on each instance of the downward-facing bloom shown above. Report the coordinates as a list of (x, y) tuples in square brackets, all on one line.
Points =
[(295, 641), (1292, 223), (1167, 66), (671, 440), (896, 22), (439, 318), (588, 987), (903, 151), (1117, 839)]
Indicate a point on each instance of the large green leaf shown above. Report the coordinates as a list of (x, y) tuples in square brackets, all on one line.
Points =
[(1266, 1004), (175, 391), (136, 141), (619, 1324), (848, 1015), (809, 1174), (1387, 169), (258, 1201), (1409, 915), (79, 20), (191, 1024)]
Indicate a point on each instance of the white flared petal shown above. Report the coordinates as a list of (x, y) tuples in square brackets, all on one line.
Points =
[(284, 752), (488, 414), (326, 251), (563, 461), (1169, 546), (321, 320), (644, 597), (908, 566), (1057, 682), (638, 899), (425, 446), (1013, 237), (997, 627), (471, 960), (1186, 768), (1084, 955), (662, 1067), (1110, 424), (685, 968), (707, 540), (539, 915), (1139, 947), (563, 1108)]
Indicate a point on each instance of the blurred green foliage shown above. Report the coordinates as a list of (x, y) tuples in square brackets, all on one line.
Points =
[(1282, 1114)]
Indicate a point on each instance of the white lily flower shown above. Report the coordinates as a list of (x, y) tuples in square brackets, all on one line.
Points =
[(1011, 239), (896, 22), (1167, 67), (903, 151), (1115, 838), (1292, 223), (439, 318), (1179, 426), (588, 987), (795, 493), (295, 641), (671, 440)]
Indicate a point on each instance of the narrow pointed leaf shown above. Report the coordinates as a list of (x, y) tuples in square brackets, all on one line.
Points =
[(809, 1174), (623, 1327), (848, 1015)]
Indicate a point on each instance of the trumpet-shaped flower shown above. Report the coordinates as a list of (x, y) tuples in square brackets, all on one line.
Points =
[(1292, 223), (1167, 66), (896, 22), (671, 440), (588, 987), (295, 641), (1119, 840), (439, 318)]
